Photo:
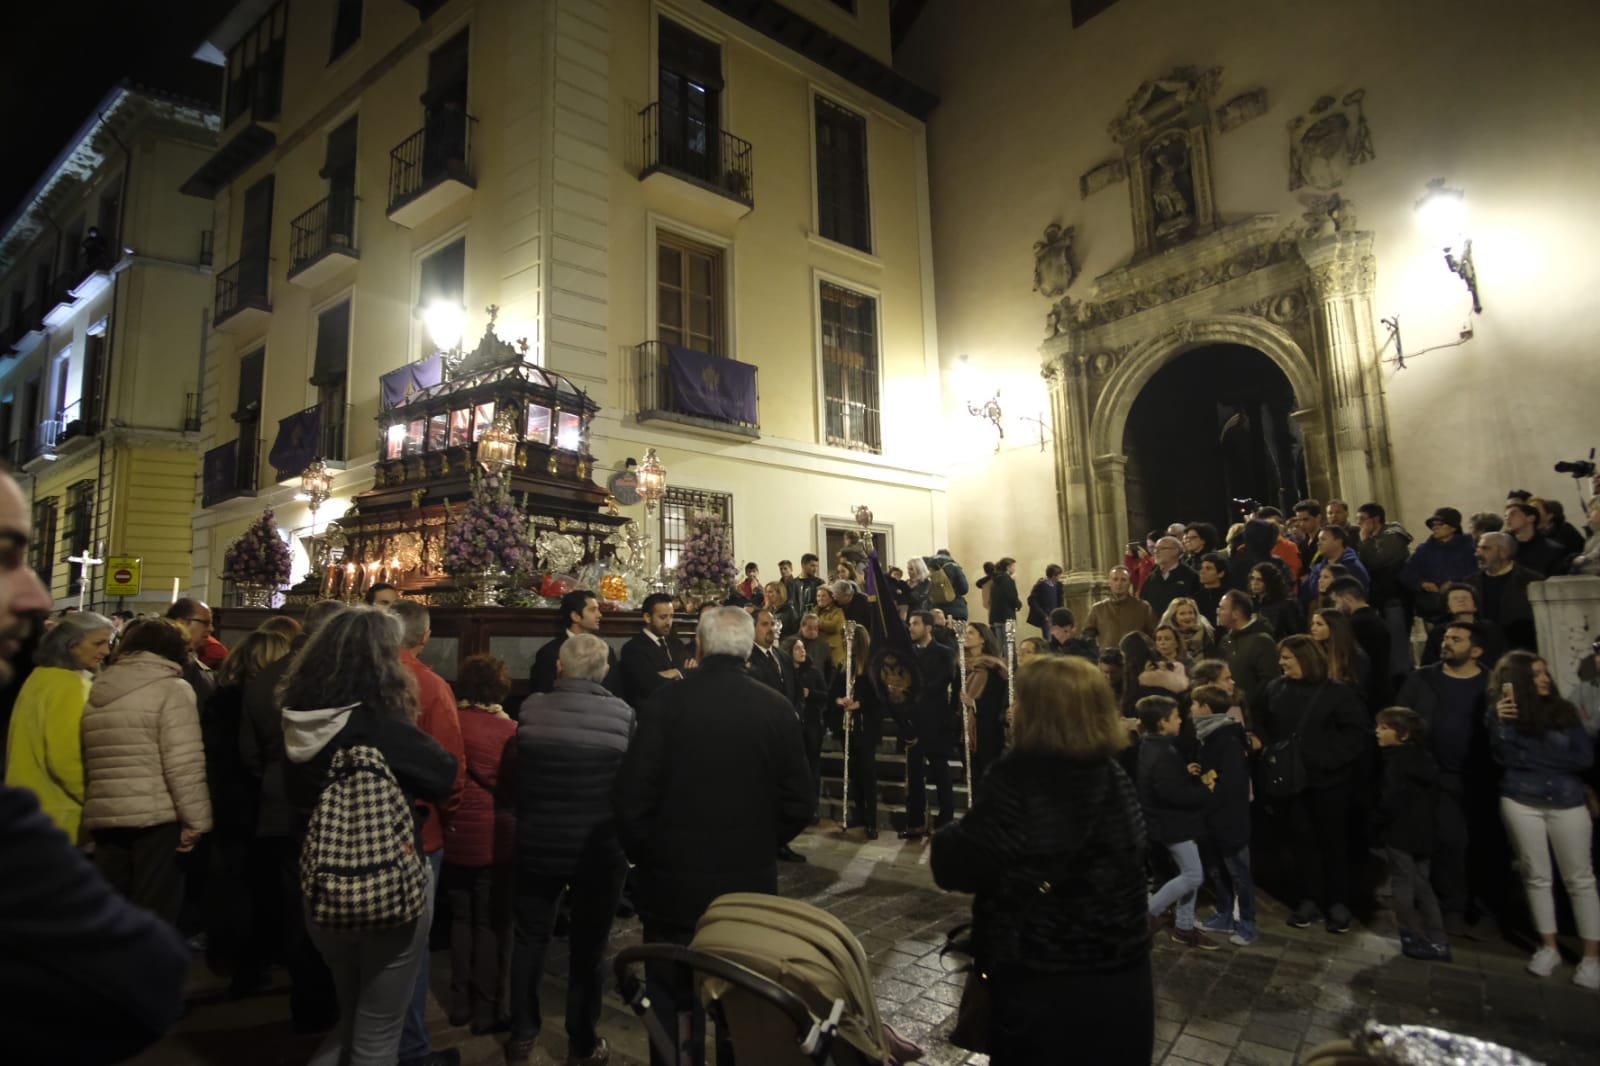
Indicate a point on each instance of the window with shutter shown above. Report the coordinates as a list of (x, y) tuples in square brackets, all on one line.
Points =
[(850, 371)]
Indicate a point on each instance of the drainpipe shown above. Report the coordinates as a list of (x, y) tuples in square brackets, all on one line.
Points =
[(114, 336)]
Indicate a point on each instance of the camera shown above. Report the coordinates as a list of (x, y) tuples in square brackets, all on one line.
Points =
[(1247, 505), (1578, 468)]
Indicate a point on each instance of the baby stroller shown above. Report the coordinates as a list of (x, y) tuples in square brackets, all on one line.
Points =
[(785, 982)]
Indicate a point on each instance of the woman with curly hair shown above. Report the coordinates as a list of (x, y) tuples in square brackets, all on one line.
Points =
[(1270, 589)]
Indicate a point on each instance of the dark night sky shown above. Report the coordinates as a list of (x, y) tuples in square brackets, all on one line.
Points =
[(59, 57)]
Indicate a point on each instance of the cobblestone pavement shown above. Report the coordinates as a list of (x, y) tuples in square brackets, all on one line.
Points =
[(1260, 1006)]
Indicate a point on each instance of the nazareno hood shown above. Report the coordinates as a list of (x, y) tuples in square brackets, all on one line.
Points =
[(306, 733)]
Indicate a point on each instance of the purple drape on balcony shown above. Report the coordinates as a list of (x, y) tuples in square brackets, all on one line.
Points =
[(398, 385), (713, 387)]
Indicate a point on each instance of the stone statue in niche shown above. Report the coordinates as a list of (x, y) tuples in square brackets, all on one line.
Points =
[(1171, 187), (1053, 268), (1329, 139)]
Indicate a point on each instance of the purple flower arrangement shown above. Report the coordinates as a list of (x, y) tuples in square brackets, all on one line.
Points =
[(490, 532), (705, 565), (259, 556)]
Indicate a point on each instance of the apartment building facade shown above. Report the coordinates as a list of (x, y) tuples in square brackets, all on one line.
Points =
[(643, 191), (104, 291)]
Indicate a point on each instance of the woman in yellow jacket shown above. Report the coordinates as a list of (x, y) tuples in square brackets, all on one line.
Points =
[(44, 751), (830, 623)]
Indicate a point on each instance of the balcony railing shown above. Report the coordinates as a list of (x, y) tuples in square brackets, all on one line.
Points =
[(335, 417), (191, 412), (328, 227), (723, 393), (230, 470), (690, 149), (440, 151), (45, 438), (74, 423), (240, 286)]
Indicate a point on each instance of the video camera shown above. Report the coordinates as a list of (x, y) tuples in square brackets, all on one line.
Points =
[(1247, 505), (1578, 468)]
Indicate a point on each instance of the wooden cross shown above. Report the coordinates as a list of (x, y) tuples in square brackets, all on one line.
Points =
[(88, 562)]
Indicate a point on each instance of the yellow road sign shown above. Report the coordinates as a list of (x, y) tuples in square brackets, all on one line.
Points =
[(123, 573)]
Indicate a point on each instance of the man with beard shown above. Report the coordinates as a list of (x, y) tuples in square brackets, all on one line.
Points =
[(580, 609), (651, 658), (1449, 696), (805, 586), (1502, 585), (74, 949)]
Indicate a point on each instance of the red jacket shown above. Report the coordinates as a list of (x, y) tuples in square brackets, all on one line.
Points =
[(1138, 569), (483, 828), (1289, 552), (437, 717)]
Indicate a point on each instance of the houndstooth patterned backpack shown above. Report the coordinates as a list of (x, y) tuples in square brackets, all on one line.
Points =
[(360, 870)]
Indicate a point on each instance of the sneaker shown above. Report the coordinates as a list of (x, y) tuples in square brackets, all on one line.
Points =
[(1424, 950), (1339, 919), (598, 1057), (1218, 923), (1306, 913), (1244, 934), (1193, 938), (1544, 962), (1588, 975)]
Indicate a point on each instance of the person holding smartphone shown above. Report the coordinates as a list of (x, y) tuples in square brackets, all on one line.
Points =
[(1539, 741)]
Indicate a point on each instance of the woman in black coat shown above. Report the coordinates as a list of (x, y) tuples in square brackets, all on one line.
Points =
[(1053, 852), (813, 706), (1327, 722), (1270, 587), (986, 696)]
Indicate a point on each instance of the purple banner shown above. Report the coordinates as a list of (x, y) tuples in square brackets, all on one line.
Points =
[(221, 468), (398, 386), (713, 387), (298, 442)]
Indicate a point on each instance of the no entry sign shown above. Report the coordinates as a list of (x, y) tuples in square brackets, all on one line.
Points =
[(123, 575)]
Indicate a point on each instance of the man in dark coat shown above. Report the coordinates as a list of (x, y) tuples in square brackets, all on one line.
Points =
[(1064, 639), (769, 665), (715, 781), (651, 659), (1372, 636), (1502, 585), (1170, 579), (1045, 597), (943, 562), (570, 744), (925, 733), (581, 610)]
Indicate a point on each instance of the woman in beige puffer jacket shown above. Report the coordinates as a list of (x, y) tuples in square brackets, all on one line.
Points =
[(144, 767)]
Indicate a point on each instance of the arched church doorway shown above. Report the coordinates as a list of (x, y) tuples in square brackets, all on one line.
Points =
[(1212, 427)]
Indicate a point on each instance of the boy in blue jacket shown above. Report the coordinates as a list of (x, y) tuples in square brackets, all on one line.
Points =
[(1224, 750)]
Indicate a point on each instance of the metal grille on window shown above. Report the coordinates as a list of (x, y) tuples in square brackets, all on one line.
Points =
[(842, 176), (43, 546), (678, 507), (78, 528), (850, 368)]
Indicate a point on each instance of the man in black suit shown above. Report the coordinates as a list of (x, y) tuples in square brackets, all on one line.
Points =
[(927, 739), (714, 781), (652, 658), (768, 664), (581, 609)]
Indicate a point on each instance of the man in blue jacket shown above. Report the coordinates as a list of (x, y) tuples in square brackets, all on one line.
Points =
[(1446, 556), (1333, 543)]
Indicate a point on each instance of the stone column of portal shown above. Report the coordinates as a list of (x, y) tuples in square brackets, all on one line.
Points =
[(1319, 466), (1355, 427), (1069, 407), (1111, 510)]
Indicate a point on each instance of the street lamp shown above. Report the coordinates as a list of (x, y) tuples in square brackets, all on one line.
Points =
[(652, 486), (316, 485), (1442, 211)]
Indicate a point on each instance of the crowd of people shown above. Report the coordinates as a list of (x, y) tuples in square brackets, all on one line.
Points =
[(1240, 709)]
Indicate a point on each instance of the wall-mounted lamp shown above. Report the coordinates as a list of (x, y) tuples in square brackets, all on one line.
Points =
[(1442, 212), (990, 409)]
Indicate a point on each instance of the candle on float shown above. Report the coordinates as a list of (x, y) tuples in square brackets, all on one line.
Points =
[(174, 590)]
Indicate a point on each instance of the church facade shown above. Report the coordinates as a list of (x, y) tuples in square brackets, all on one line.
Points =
[(1183, 248)]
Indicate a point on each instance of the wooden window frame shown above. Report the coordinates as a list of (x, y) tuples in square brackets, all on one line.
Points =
[(686, 247)]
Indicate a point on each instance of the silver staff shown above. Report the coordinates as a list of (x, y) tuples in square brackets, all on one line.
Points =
[(959, 625), (849, 694), (1011, 663)]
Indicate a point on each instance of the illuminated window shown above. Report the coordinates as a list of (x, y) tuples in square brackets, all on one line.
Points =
[(850, 373)]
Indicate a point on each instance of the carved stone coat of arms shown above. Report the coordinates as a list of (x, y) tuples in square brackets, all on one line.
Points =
[(1053, 268)]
